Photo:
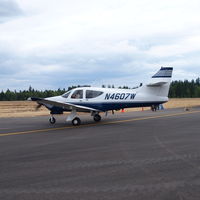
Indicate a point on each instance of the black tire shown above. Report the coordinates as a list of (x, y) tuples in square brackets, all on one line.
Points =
[(97, 118), (52, 120), (76, 121), (153, 108)]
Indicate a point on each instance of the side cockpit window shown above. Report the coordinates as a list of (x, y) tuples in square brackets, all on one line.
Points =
[(78, 94), (66, 95), (92, 94)]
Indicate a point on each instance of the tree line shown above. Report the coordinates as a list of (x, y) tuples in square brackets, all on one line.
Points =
[(178, 89), (185, 89)]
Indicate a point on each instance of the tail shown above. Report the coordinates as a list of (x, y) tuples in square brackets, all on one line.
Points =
[(158, 88)]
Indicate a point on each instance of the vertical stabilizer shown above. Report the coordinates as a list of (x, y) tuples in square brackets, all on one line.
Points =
[(159, 83)]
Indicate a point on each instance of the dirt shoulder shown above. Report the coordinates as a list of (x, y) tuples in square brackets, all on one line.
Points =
[(27, 108)]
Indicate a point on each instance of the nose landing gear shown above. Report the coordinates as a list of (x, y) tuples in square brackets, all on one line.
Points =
[(52, 120)]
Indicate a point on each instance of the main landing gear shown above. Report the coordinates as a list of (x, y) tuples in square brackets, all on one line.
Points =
[(73, 118), (154, 108), (97, 118), (76, 121)]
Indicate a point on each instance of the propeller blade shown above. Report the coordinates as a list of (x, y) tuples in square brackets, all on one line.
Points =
[(38, 107)]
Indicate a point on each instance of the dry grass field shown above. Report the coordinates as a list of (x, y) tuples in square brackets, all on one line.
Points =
[(27, 108), (20, 109)]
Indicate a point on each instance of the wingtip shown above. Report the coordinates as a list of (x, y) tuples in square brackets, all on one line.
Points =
[(34, 99)]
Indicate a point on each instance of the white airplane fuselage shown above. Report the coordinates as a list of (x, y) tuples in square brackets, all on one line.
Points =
[(111, 99)]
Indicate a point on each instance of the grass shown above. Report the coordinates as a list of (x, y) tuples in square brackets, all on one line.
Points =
[(20, 109), (27, 108)]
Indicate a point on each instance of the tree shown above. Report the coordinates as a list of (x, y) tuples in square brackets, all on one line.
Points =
[(178, 89)]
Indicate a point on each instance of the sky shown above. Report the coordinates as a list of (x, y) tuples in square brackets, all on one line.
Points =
[(51, 44)]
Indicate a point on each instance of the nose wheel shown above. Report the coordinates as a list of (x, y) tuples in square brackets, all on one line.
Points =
[(52, 120)]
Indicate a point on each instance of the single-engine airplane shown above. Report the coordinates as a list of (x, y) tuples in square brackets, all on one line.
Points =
[(96, 100)]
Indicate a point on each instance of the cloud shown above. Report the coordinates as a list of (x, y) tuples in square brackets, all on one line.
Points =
[(9, 9), (55, 45)]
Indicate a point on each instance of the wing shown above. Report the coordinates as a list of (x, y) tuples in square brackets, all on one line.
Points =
[(69, 106)]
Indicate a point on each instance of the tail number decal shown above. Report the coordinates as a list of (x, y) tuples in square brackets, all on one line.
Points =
[(119, 96)]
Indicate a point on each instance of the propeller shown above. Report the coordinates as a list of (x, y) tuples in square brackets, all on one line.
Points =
[(38, 107)]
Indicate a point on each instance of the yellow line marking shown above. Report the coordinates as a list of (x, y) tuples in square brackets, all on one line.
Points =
[(103, 123)]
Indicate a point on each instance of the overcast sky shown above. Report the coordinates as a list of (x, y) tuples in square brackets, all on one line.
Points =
[(58, 43)]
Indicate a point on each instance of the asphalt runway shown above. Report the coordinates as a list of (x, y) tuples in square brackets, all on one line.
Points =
[(135, 155)]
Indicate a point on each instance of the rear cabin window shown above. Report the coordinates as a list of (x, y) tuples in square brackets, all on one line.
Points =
[(66, 95), (92, 94), (78, 94)]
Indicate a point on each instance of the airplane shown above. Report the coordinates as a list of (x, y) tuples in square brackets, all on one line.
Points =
[(95, 100)]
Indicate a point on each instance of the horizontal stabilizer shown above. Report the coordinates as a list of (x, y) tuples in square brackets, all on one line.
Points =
[(157, 84)]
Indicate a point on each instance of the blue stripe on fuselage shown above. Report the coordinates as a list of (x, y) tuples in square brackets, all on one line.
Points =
[(106, 106), (116, 106)]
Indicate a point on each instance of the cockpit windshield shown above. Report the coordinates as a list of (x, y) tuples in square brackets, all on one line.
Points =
[(78, 94), (66, 94)]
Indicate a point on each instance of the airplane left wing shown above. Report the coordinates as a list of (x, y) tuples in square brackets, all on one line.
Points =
[(49, 104)]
